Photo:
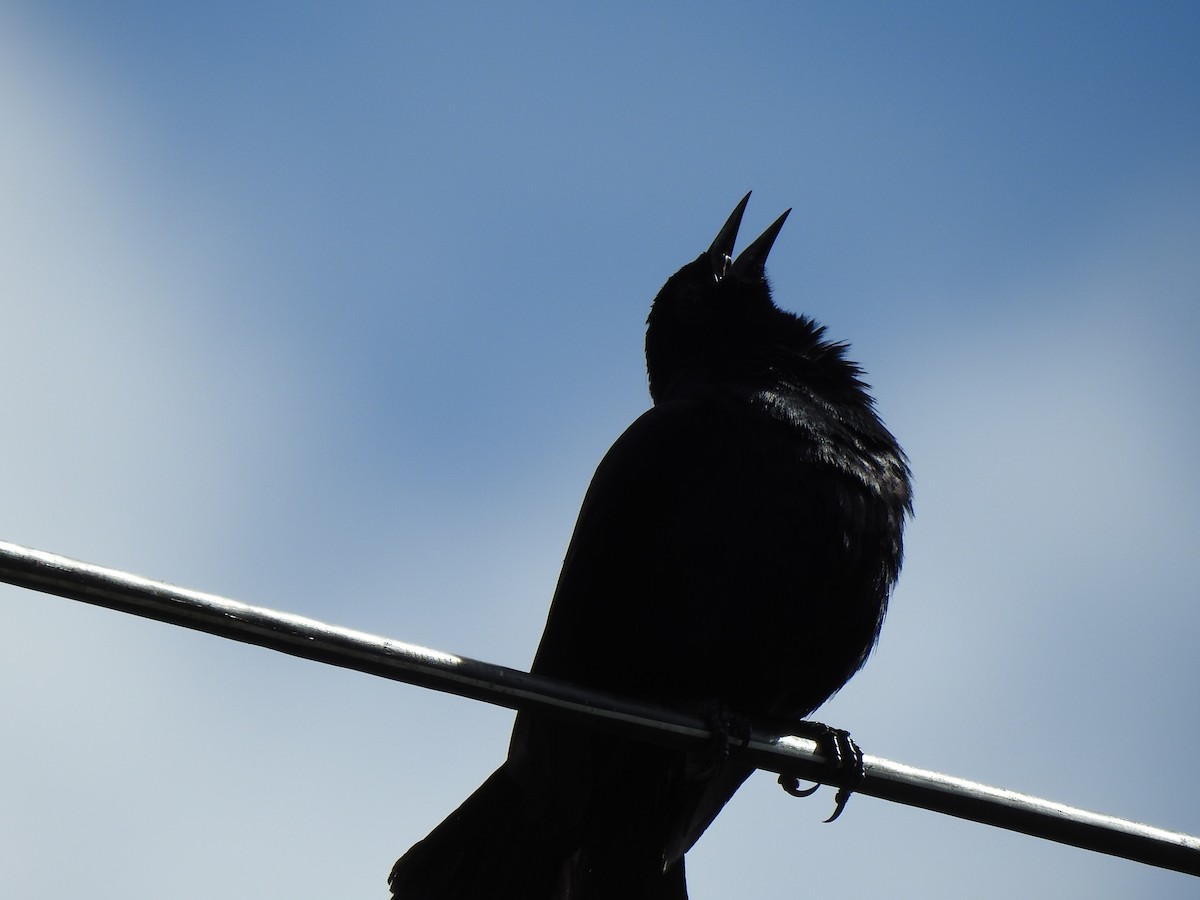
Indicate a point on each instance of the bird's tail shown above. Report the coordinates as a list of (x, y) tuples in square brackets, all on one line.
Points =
[(491, 846), (501, 845)]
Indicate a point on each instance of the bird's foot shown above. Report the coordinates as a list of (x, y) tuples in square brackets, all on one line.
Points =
[(730, 734), (845, 760)]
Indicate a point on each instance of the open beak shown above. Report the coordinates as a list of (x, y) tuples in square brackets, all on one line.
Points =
[(720, 254)]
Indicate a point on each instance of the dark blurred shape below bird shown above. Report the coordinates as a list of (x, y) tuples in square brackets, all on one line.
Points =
[(737, 547)]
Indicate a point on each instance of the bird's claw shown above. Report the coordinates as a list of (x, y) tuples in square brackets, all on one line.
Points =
[(791, 784), (845, 760), (730, 733)]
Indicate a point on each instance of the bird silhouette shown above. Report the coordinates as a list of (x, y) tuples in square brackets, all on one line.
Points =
[(735, 551)]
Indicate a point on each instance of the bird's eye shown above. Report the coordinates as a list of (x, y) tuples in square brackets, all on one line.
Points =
[(720, 264)]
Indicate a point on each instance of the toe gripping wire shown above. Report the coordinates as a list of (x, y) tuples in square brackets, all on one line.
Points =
[(845, 761)]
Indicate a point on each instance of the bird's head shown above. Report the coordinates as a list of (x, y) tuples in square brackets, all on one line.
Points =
[(711, 320)]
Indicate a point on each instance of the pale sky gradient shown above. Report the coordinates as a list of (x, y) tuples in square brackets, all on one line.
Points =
[(334, 309)]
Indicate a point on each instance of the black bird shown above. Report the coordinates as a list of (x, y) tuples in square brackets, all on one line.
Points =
[(737, 547)]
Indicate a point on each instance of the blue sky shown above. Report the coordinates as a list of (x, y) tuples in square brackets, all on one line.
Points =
[(335, 310)]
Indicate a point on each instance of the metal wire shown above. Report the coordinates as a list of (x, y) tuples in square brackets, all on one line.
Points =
[(769, 747)]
